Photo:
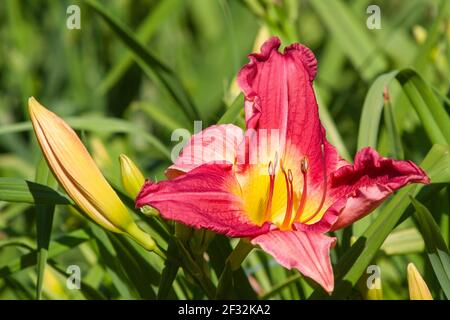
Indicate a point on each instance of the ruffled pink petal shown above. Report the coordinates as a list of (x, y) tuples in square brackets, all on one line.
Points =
[(202, 198), (217, 144), (279, 95), (360, 188), (309, 252)]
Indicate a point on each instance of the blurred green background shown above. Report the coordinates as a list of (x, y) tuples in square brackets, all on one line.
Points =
[(119, 105)]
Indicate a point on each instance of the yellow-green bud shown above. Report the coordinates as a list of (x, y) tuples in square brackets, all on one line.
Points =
[(132, 177)]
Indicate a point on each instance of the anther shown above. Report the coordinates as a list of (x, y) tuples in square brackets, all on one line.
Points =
[(304, 165)]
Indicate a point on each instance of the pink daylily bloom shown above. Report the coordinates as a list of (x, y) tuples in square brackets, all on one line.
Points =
[(297, 189)]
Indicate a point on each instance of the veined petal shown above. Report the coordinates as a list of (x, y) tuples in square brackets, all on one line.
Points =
[(279, 96), (309, 252), (216, 144), (360, 188), (205, 197)]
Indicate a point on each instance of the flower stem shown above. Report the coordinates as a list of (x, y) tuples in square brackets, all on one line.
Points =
[(233, 263)]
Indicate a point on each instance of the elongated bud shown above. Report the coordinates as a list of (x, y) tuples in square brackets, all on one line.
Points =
[(80, 177), (418, 289), (132, 177)]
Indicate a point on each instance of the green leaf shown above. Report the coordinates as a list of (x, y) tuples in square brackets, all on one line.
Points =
[(158, 115), (162, 11), (98, 124), (86, 289), (432, 38), (59, 245), (280, 286), (109, 260), (232, 265), (169, 273), (436, 248), (397, 149), (138, 269), (44, 222), (431, 112), (403, 241), (219, 249), (167, 77), (333, 134), (354, 40), (372, 110), (19, 190), (233, 111)]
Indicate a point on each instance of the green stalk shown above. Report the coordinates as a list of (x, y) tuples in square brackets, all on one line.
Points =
[(234, 261)]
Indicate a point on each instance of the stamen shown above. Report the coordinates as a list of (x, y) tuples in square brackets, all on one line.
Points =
[(271, 169), (324, 193), (304, 166), (290, 198)]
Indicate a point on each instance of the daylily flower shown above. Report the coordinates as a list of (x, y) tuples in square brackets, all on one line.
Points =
[(297, 190), (78, 174)]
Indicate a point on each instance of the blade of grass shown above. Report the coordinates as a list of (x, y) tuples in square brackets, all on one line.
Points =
[(432, 36), (19, 190), (233, 111), (58, 246), (44, 223), (219, 249), (98, 124), (397, 149), (403, 241), (169, 272), (434, 117), (372, 110), (354, 40), (109, 260), (167, 77), (332, 132), (146, 30), (436, 248), (142, 273), (86, 289), (158, 115)]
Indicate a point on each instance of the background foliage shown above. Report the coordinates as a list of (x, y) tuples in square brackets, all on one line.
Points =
[(139, 69)]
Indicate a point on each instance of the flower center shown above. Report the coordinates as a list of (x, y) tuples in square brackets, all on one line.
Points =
[(292, 201)]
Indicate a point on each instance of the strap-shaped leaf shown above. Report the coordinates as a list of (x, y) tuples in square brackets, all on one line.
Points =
[(149, 62), (20, 190), (436, 248)]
